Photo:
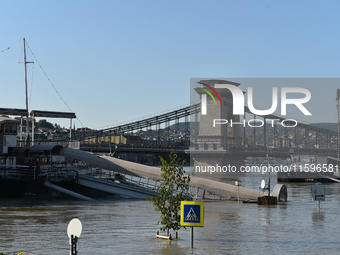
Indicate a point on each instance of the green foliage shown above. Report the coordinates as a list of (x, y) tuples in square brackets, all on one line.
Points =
[(172, 191), (45, 124)]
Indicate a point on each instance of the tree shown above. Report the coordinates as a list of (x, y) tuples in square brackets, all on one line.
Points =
[(45, 124), (173, 190)]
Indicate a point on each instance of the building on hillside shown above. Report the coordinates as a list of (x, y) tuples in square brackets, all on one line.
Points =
[(115, 139)]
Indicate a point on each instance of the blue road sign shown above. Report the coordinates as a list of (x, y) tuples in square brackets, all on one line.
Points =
[(192, 214)]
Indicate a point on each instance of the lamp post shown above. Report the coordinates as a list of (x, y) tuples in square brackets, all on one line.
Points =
[(238, 184), (74, 231)]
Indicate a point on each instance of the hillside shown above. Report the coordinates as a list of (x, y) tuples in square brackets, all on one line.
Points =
[(329, 126)]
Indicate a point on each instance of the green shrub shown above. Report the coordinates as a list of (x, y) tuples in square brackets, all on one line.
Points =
[(173, 190)]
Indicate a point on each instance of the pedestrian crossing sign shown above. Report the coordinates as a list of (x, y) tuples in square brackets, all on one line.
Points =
[(192, 214)]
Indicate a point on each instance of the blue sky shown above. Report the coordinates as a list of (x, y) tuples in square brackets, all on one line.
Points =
[(116, 61)]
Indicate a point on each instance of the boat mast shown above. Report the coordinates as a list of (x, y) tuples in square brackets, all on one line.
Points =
[(25, 62)]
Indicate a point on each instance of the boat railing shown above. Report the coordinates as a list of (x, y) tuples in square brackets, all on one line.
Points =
[(50, 173), (121, 178), (17, 172), (65, 143), (55, 174)]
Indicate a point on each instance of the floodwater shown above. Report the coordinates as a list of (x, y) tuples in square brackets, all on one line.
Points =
[(129, 226)]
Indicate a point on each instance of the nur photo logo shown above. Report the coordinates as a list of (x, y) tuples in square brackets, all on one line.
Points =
[(204, 97), (239, 105)]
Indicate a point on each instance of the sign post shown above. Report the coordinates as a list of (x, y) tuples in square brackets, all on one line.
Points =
[(192, 215), (318, 192), (238, 184), (73, 231)]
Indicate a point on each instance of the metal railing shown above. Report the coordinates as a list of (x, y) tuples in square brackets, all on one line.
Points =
[(133, 181), (16, 172), (50, 173)]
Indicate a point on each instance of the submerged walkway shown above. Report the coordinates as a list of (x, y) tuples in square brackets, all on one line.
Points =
[(214, 187), (223, 190)]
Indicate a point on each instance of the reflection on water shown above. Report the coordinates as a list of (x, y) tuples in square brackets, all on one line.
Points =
[(318, 219), (129, 226)]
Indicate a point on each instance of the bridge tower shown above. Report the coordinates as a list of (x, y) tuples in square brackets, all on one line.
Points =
[(215, 145), (221, 136)]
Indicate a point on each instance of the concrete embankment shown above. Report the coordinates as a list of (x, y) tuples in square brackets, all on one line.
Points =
[(217, 188)]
